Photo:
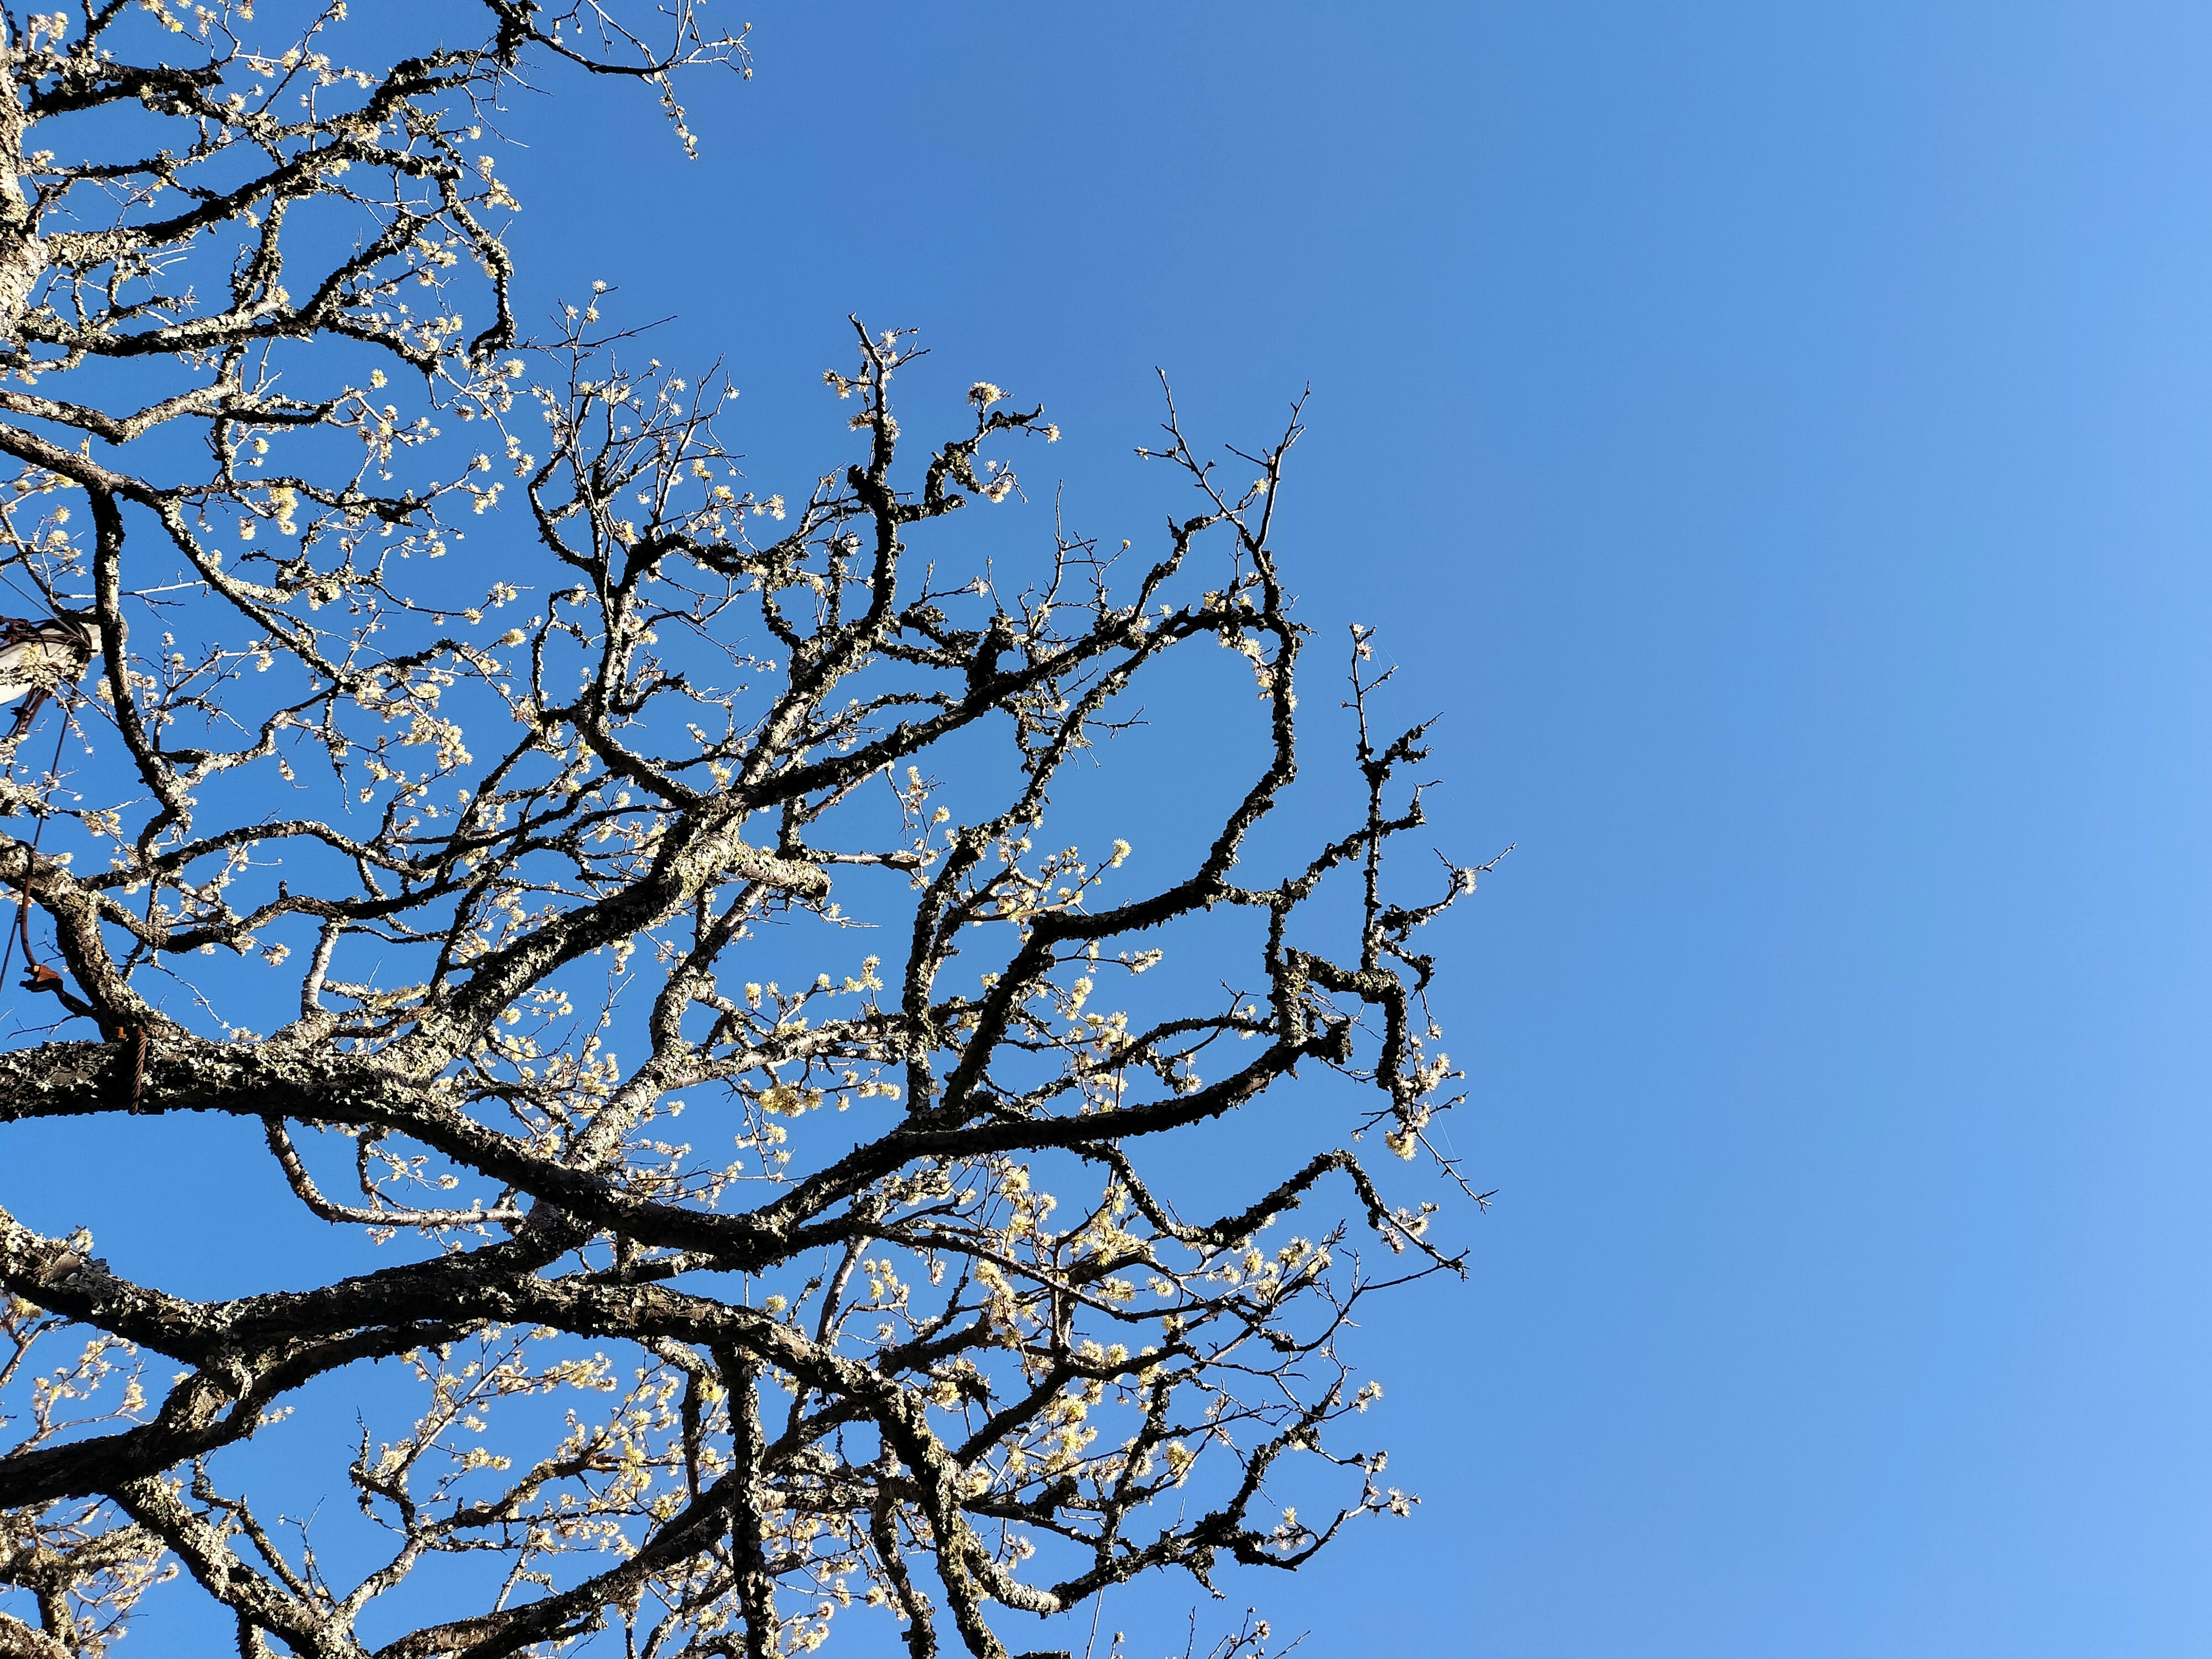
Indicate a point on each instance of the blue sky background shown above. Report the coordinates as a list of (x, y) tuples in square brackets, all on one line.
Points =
[(1776, 438)]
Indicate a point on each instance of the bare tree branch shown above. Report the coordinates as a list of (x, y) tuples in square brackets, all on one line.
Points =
[(746, 1277)]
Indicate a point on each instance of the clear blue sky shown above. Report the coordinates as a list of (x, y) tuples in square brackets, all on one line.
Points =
[(1777, 438)]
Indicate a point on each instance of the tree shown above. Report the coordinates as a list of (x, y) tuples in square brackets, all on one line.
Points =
[(532, 890)]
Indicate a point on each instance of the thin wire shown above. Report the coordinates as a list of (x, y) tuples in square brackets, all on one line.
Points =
[(32, 597)]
